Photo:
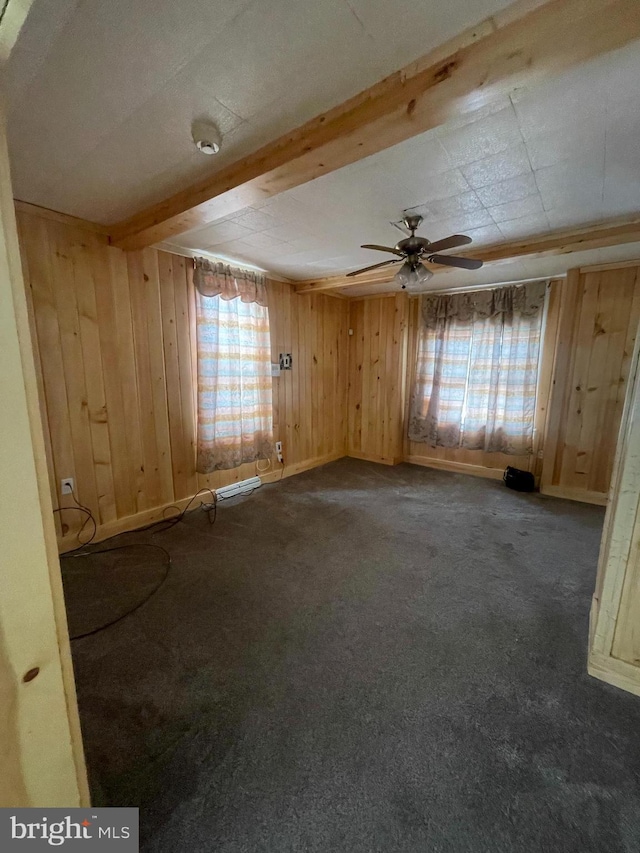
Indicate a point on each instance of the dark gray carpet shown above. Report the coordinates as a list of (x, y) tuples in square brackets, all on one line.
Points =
[(363, 658)]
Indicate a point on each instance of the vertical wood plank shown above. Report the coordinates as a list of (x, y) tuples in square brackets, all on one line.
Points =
[(585, 413), (186, 378), (115, 381), (313, 361), (547, 361), (343, 374), (39, 251), (289, 380), (37, 359), (357, 376), (305, 426), (152, 492), (560, 393), (127, 375), (85, 271), (179, 441), (572, 422), (161, 436)]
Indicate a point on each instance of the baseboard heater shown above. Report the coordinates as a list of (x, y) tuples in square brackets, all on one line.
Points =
[(233, 489)]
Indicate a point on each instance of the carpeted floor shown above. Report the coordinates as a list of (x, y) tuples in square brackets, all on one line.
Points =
[(361, 659)]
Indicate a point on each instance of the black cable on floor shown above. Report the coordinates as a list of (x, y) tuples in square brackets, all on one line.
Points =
[(210, 508), (175, 519), (212, 513), (89, 518), (144, 600)]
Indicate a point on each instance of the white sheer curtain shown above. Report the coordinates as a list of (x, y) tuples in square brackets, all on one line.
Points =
[(477, 369)]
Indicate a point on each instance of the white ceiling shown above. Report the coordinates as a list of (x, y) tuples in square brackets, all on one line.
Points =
[(560, 155), (102, 94), (113, 87)]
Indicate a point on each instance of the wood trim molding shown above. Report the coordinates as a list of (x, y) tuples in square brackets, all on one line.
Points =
[(559, 243), (370, 457), (456, 467), (580, 495), (276, 475), (518, 48), (387, 294), (618, 548), (619, 673), (620, 265), (157, 513), (564, 355)]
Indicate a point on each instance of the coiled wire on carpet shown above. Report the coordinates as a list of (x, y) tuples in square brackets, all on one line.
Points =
[(164, 524), (160, 526)]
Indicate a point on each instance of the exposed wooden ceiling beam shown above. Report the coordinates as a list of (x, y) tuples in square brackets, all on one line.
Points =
[(558, 243), (513, 49)]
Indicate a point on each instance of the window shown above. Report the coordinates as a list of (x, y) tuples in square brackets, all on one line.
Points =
[(477, 369), (234, 367)]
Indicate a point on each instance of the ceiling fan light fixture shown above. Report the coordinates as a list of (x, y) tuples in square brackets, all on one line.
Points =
[(413, 279)]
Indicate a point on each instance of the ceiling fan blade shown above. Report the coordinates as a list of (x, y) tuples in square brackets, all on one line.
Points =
[(383, 249), (452, 261), (375, 266), (450, 243)]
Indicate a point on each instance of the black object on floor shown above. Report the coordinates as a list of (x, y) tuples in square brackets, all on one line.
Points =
[(364, 658), (518, 480)]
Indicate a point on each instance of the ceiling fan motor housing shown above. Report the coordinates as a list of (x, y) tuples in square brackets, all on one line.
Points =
[(413, 245)]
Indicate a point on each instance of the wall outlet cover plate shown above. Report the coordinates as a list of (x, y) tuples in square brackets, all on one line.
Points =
[(66, 486)]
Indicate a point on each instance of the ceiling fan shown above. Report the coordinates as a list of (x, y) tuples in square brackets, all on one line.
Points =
[(413, 251)]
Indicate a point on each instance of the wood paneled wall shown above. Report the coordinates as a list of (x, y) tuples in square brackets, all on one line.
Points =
[(377, 377), (598, 325), (114, 337), (382, 358), (114, 334), (590, 328)]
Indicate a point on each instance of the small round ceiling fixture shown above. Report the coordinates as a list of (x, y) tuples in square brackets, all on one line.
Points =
[(206, 136)]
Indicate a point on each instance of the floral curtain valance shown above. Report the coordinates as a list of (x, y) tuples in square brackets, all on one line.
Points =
[(525, 300), (213, 278)]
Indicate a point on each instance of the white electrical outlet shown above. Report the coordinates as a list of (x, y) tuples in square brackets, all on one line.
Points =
[(66, 486), (279, 451)]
